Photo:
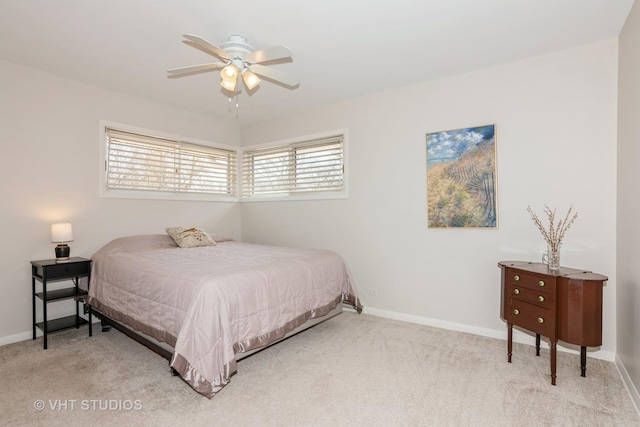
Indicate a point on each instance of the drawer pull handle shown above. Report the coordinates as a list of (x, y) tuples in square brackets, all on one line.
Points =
[(516, 278), (540, 298), (516, 311), (516, 291), (541, 283), (540, 320)]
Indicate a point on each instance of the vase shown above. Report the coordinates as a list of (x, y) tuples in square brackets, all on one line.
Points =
[(552, 257)]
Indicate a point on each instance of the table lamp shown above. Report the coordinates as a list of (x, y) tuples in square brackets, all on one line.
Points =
[(61, 234)]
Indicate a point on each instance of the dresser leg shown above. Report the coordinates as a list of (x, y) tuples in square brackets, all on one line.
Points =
[(537, 344), (583, 361), (509, 341), (553, 362)]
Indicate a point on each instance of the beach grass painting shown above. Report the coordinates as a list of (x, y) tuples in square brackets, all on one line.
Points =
[(461, 178)]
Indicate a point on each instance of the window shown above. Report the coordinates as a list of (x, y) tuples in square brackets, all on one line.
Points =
[(138, 164), (311, 168)]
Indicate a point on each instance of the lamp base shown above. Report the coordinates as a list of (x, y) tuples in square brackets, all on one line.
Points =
[(62, 252)]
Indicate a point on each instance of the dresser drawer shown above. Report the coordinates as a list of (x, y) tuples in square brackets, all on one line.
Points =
[(528, 281), (532, 317), (535, 296)]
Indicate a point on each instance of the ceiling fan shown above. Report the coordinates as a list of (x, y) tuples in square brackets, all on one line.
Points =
[(238, 60)]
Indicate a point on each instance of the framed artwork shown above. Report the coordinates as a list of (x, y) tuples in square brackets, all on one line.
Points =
[(461, 178)]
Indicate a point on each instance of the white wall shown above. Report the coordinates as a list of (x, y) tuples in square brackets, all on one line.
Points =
[(555, 119), (628, 250), (49, 170)]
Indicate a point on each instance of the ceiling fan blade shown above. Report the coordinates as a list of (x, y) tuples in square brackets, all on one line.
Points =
[(273, 74), (271, 54), (195, 69), (206, 46)]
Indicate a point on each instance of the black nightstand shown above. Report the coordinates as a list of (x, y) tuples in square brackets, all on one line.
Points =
[(50, 270)]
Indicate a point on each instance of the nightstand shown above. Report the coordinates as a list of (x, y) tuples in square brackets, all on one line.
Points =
[(50, 270)]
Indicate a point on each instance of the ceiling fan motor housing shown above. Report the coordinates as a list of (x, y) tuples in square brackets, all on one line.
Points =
[(236, 46)]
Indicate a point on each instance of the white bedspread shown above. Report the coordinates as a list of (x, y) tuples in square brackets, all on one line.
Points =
[(210, 303)]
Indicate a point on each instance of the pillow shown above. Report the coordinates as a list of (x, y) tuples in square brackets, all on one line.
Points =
[(190, 237)]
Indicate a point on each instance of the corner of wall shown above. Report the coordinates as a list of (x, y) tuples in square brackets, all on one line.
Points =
[(629, 385)]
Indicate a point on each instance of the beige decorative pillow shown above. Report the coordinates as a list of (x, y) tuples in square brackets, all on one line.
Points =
[(190, 237)]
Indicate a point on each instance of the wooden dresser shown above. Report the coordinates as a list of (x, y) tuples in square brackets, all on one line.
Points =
[(564, 305)]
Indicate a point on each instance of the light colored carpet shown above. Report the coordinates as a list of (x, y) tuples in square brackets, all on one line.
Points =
[(349, 371)]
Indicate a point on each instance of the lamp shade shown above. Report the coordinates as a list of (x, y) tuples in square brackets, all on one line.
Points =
[(229, 85), (229, 75), (229, 72), (250, 79), (61, 232)]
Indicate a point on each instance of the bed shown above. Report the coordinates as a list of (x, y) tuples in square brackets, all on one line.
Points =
[(205, 307)]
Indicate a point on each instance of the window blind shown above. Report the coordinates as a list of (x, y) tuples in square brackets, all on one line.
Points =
[(147, 163), (312, 166)]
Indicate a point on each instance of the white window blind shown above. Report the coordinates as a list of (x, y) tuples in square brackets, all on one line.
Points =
[(136, 162), (307, 167)]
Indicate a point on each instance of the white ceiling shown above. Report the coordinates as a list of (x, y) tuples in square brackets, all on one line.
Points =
[(341, 48)]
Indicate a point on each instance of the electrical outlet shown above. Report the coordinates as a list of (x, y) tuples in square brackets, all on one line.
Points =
[(372, 292)]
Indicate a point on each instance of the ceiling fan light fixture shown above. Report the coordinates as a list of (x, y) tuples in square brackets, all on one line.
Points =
[(250, 79), (229, 85), (229, 75), (229, 72)]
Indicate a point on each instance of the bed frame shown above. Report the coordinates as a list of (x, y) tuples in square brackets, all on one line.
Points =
[(166, 351)]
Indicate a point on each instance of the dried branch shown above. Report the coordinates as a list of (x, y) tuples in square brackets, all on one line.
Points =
[(555, 233)]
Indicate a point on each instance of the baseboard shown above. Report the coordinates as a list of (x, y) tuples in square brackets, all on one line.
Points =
[(518, 336), (23, 336), (628, 383)]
